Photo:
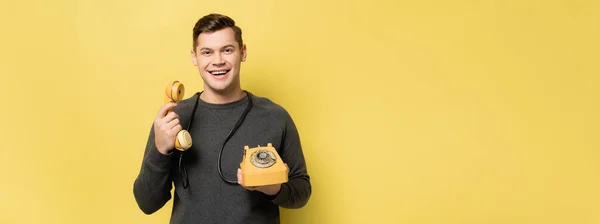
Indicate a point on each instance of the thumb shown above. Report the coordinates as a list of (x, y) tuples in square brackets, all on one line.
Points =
[(164, 109), (239, 176)]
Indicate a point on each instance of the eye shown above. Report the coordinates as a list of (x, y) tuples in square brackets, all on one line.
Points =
[(205, 52), (228, 50)]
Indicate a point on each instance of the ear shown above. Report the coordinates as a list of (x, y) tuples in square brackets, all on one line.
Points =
[(244, 52), (193, 55)]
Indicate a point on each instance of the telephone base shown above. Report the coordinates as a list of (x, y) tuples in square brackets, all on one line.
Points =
[(262, 166), (251, 179)]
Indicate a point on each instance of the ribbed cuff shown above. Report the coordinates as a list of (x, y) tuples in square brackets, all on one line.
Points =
[(157, 161)]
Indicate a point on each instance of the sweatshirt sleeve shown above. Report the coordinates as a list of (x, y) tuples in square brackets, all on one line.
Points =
[(296, 192), (152, 187)]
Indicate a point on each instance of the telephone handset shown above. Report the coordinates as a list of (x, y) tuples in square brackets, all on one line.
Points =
[(174, 92), (262, 166)]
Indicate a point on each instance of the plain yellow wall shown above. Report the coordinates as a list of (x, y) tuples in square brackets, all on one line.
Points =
[(409, 111)]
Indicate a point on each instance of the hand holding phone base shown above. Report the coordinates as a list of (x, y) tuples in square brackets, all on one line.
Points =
[(262, 166)]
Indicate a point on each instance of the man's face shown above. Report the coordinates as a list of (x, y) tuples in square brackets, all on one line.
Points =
[(218, 57)]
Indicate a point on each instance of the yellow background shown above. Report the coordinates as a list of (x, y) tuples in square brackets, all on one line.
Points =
[(409, 111)]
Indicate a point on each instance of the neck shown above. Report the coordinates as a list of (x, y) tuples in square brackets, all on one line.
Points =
[(214, 97)]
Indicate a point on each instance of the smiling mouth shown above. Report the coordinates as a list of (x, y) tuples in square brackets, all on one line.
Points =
[(219, 72)]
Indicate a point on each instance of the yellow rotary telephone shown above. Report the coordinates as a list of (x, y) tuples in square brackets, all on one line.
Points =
[(262, 166)]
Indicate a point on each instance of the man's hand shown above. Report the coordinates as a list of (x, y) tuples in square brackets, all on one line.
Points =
[(267, 189), (166, 127)]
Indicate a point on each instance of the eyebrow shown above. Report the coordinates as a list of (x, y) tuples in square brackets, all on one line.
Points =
[(226, 46)]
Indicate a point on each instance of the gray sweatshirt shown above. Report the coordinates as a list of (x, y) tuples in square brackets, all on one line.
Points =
[(209, 199)]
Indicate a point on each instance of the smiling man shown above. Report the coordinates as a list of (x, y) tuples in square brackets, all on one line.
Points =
[(224, 118)]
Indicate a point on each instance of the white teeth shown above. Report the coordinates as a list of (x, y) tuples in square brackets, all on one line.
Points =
[(218, 72)]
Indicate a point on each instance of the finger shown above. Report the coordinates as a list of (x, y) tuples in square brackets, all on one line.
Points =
[(173, 124), (239, 176), (177, 128), (170, 116), (241, 181), (286, 166), (163, 109)]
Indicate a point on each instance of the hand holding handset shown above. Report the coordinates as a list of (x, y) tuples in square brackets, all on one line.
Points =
[(174, 92), (262, 166)]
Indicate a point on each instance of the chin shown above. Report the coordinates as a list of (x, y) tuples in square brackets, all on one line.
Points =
[(219, 88)]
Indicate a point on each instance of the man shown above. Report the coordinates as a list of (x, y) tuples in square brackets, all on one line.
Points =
[(198, 174)]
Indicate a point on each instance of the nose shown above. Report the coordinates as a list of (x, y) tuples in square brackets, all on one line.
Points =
[(218, 60)]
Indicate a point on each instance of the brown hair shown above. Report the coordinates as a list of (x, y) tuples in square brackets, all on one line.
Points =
[(214, 22)]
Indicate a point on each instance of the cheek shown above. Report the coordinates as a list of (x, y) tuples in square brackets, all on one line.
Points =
[(203, 62), (234, 59)]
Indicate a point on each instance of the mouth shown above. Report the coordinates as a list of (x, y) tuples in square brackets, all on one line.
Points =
[(219, 72)]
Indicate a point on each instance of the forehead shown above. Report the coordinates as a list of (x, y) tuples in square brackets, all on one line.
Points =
[(217, 39)]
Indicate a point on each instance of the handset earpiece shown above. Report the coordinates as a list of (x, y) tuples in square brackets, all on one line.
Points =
[(174, 92)]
